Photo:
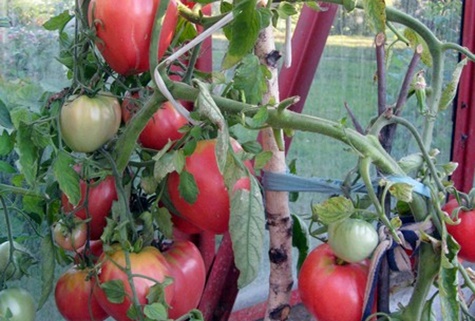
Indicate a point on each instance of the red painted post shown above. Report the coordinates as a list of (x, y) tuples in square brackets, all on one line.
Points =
[(463, 150), (308, 42)]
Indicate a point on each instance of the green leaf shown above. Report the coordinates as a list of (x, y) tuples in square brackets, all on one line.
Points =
[(401, 191), (163, 219), (293, 196), (375, 11), (114, 290), (5, 119), (448, 282), (58, 22), (6, 168), (187, 187), (163, 166), (251, 78), (415, 40), (34, 204), (241, 43), (266, 17), (286, 9), (246, 226), (252, 146), (262, 159), (147, 228), (41, 135), (332, 210), (300, 239), (67, 177), (156, 311), (47, 269), (7, 142), (28, 153), (450, 90), (349, 5)]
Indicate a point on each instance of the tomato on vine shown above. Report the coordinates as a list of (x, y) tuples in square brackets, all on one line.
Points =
[(124, 32), (87, 123), (13, 269), (332, 290), (74, 298), (148, 267), (100, 196), (71, 236), (17, 304), (463, 231)]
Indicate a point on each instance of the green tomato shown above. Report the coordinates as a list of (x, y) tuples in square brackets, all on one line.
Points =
[(352, 240), (22, 259), (88, 123), (17, 304)]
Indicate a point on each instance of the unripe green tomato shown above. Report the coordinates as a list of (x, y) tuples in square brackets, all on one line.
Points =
[(88, 123), (352, 240), (19, 302), (13, 271)]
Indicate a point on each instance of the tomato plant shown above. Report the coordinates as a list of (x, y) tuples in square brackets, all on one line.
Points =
[(352, 240), (100, 196), (124, 32), (94, 252), (148, 266), (210, 212), (17, 304), (189, 274), (463, 231), (70, 238), (331, 290), (162, 127), (13, 270), (74, 298), (87, 123)]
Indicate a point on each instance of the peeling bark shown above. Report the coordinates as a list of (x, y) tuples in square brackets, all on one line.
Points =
[(277, 203)]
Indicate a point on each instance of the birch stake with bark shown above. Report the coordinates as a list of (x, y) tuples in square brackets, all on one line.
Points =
[(277, 203)]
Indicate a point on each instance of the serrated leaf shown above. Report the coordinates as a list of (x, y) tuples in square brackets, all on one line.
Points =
[(163, 219), (448, 283), (375, 11), (246, 226), (286, 9), (6, 143), (34, 204), (333, 209), (156, 311), (187, 187), (147, 232), (5, 119), (28, 154), (252, 147), (300, 239), (196, 315), (266, 17), (47, 269), (67, 177), (251, 78), (450, 90), (163, 167), (415, 40), (58, 22), (41, 135), (114, 290), (262, 159), (241, 43)]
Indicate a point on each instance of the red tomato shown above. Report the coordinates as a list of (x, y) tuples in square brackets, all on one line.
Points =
[(189, 274), (124, 32), (99, 203), (184, 226), (210, 212), (162, 127), (149, 262), (463, 232), (70, 238), (331, 291), (74, 299)]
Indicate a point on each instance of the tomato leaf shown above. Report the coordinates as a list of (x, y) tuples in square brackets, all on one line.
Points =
[(67, 177), (332, 210), (376, 12), (286, 9), (261, 159), (448, 281), (58, 22), (114, 290), (196, 315), (163, 218), (402, 191), (6, 143), (156, 311), (6, 168), (28, 153), (246, 17), (47, 268), (252, 146), (450, 89), (5, 119), (251, 79), (187, 187), (260, 118), (300, 239), (34, 204), (147, 228), (246, 226)]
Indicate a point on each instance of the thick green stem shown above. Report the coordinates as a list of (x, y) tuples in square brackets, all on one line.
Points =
[(157, 28)]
